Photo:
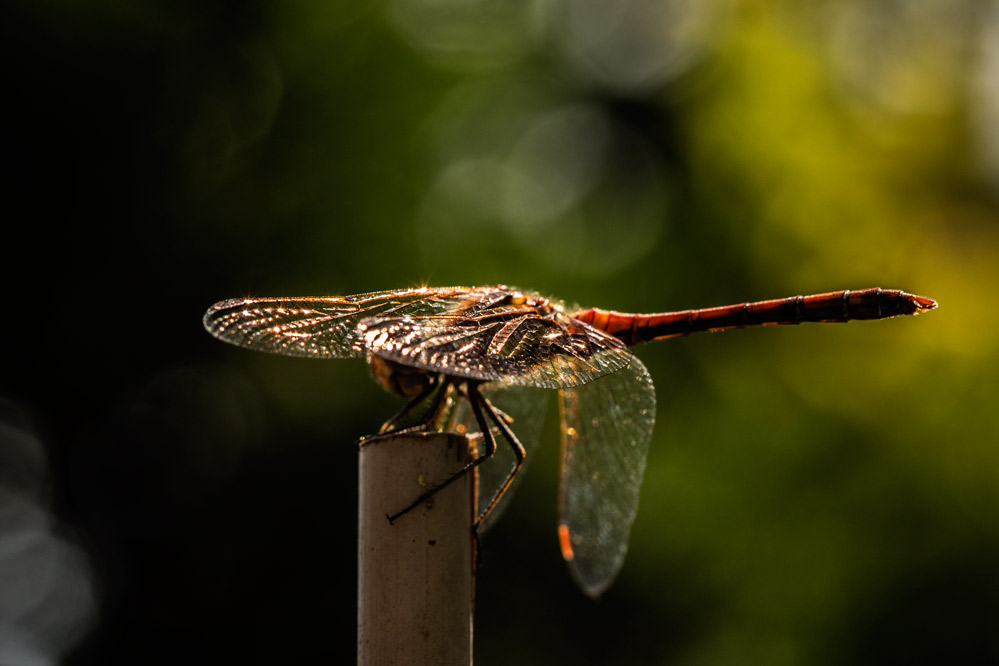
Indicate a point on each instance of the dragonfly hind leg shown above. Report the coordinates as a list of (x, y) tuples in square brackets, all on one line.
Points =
[(502, 422)]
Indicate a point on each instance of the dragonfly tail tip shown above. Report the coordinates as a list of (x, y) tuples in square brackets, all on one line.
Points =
[(923, 304)]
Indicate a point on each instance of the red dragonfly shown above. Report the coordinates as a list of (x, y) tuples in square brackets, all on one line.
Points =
[(443, 347)]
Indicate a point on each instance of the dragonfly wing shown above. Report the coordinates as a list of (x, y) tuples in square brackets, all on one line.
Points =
[(526, 407), (606, 429), (319, 327), (552, 351)]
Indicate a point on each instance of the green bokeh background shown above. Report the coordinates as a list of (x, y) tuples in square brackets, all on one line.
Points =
[(814, 495)]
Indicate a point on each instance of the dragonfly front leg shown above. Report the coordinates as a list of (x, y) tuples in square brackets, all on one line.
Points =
[(431, 404)]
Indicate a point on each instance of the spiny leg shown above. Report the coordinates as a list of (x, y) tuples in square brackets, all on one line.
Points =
[(437, 395), (502, 422), (474, 398)]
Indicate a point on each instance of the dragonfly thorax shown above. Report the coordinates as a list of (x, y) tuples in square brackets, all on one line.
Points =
[(403, 380)]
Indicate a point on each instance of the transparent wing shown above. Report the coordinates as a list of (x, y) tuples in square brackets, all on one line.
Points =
[(484, 333), (606, 428), (524, 348), (321, 327), (526, 408)]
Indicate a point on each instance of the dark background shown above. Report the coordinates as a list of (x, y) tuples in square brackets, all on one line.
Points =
[(814, 495)]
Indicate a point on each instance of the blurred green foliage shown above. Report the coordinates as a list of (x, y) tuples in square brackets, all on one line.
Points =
[(815, 495)]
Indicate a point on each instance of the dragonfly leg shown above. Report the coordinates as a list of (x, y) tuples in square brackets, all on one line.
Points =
[(499, 412), (502, 422), (477, 401), (434, 399)]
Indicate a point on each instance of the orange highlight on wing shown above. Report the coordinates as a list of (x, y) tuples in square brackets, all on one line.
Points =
[(564, 543)]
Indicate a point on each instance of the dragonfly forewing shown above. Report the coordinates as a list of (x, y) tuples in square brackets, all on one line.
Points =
[(528, 350), (319, 327), (606, 428)]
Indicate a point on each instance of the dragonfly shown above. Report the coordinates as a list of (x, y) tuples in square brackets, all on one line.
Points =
[(445, 348)]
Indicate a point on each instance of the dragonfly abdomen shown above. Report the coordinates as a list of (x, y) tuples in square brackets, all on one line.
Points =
[(836, 306)]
